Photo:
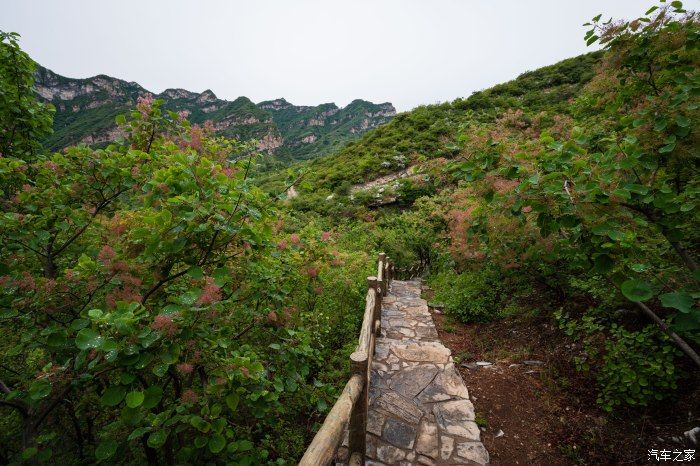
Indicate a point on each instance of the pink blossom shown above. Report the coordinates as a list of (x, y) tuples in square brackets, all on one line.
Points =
[(195, 141), (282, 245), (49, 165), (185, 368), (189, 397), (527, 209), (144, 103), (26, 282), (116, 226), (48, 286), (106, 255), (325, 236), (312, 272), (135, 170), (211, 293), (295, 239), (5, 281), (164, 324), (183, 114), (126, 294), (26, 187)]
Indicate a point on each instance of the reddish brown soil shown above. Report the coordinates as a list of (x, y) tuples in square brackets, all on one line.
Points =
[(548, 413)]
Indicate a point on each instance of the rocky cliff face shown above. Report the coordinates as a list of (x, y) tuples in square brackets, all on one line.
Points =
[(86, 111)]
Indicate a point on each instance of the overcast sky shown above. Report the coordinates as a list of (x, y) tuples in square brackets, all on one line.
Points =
[(408, 52)]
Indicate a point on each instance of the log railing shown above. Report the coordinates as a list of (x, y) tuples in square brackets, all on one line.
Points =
[(350, 410)]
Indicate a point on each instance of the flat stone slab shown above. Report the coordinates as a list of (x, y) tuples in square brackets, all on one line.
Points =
[(422, 352), (419, 412), (412, 380), (399, 433)]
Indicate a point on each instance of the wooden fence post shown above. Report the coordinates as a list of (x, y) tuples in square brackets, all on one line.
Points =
[(387, 266), (382, 262), (358, 418), (377, 311)]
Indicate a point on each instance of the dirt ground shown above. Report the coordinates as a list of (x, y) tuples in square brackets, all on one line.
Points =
[(544, 412)]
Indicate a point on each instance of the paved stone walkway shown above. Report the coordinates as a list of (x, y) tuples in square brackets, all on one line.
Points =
[(419, 412)]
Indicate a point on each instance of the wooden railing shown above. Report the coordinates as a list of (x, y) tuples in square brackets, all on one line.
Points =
[(351, 407)]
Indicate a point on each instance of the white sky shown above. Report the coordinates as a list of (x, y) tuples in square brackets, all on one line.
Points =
[(408, 52)]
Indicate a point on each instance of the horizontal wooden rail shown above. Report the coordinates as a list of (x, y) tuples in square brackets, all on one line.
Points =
[(329, 436), (351, 407)]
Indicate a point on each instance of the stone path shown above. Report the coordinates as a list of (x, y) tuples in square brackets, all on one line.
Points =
[(419, 412)]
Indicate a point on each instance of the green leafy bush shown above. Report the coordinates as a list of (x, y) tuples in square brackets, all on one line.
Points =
[(469, 296), (633, 368)]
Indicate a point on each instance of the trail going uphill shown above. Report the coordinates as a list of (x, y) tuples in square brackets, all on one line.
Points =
[(419, 410)]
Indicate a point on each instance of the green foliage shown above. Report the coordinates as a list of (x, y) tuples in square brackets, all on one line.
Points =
[(23, 120), (158, 308), (469, 296), (630, 192), (633, 368)]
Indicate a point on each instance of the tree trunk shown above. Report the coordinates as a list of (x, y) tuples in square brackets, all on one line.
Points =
[(676, 339)]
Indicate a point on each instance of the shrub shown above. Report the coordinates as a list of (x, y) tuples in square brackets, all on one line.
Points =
[(469, 296), (636, 368)]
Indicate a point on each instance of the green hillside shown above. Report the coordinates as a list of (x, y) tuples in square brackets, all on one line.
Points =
[(432, 131)]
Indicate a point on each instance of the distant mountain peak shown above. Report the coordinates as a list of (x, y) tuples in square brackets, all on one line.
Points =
[(86, 111)]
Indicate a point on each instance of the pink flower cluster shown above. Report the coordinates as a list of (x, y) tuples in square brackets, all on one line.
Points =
[(211, 293), (144, 103), (185, 368), (106, 255), (189, 396), (164, 324)]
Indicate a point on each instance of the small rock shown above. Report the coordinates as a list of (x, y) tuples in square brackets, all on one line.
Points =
[(470, 365), (514, 365), (532, 372), (484, 363), (500, 433), (533, 362), (692, 435)]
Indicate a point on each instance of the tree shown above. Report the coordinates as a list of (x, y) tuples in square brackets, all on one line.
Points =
[(128, 275), (24, 121)]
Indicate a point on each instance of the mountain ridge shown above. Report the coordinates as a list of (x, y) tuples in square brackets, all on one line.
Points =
[(86, 109)]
